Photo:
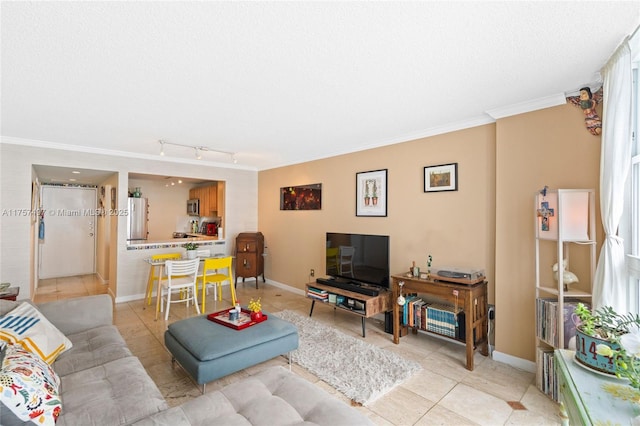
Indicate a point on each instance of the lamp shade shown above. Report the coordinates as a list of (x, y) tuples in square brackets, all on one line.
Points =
[(565, 215)]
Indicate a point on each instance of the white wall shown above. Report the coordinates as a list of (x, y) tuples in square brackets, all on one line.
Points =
[(16, 160), (167, 207)]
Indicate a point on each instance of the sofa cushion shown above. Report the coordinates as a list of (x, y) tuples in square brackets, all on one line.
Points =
[(116, 393), (274, 396), (28, 327), (92, 348), (28, 387)]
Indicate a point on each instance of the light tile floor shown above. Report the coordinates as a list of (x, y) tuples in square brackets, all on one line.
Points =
[(443, 393)]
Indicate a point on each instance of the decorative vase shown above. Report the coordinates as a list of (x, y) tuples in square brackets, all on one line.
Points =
[(587, 356), (192, 254), (256, 316)]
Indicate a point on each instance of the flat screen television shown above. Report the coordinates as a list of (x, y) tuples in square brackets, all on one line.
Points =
[(359, 258)]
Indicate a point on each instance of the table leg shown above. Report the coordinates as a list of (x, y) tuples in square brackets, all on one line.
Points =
[(363, 322), (313, 302), (149, 292), (159, 292), (468, 319), (396, 313)]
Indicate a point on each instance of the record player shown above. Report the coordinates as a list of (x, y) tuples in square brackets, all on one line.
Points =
[(459, 275)]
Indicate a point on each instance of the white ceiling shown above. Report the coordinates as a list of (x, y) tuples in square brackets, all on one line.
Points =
[(286, 82)]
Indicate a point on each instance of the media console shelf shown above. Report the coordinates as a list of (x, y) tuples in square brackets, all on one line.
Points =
[(372, 305), (471, 298)]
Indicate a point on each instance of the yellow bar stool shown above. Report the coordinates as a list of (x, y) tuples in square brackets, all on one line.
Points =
[(155, 272), (213, 273)]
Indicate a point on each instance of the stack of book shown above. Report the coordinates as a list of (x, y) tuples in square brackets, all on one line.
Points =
[(442, 320), (548, 317), (316, 293), (434, 317), (546, 374)]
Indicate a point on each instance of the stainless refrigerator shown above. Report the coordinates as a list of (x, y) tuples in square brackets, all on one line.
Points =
[(137, 225)]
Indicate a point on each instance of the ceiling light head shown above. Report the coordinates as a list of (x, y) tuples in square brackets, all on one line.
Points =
[(161, 147), (198, 155), (234, 159)]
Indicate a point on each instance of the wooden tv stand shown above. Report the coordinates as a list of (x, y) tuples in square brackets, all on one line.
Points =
[(471, 298), (373, 305)]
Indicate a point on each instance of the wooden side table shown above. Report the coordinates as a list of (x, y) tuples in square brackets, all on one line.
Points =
[(471, 298), (10, 294)]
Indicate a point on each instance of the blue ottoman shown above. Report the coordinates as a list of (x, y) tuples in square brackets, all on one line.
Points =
[(208, 351)]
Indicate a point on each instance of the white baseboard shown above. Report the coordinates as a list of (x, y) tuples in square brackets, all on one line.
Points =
[(269, 282), (297, 291), (513, 361)]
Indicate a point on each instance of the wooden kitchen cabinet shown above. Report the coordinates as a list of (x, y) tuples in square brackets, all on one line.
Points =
[(209, 199), (249, 256), (220, 203)]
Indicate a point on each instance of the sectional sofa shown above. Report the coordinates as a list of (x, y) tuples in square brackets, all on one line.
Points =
[(102, 383)]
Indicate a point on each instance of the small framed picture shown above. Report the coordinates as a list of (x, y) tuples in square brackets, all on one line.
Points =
[(371, 193), (443, 177)]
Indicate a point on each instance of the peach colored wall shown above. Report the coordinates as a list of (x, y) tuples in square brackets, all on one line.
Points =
[(487, 223), (546, 147), (456, 228)]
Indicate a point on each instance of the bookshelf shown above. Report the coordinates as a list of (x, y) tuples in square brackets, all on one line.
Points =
[(564, 224), (471, 300)]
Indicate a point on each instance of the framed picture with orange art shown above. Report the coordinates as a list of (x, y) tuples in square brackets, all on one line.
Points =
[(371, 193), (440, 178)]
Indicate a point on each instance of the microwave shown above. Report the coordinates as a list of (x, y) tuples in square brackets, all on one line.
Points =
[(193, 207)]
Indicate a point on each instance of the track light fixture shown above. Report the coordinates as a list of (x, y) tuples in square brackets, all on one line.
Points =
[(198, 150)]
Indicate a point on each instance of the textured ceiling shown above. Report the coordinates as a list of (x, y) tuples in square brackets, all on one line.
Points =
[(285, 82)]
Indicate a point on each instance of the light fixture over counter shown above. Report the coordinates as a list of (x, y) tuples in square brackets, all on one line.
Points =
[(197, 149)]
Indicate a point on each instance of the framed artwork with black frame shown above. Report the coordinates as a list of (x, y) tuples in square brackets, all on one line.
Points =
[(301, 197), (443, 177), (371, 193)]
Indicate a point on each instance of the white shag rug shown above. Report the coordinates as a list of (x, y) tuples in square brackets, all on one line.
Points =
[(361, 371)]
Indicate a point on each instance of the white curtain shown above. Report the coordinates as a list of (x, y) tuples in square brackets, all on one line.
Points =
[(615, 158)]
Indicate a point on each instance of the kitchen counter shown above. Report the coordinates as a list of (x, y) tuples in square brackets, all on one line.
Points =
[(203, 240)]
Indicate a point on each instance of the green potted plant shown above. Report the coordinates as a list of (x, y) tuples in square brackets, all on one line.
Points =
[(256, 309), (605, 342), (192, 250)]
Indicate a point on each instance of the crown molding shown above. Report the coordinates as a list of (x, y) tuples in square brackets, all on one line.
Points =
[(528, 106), (420, 134)]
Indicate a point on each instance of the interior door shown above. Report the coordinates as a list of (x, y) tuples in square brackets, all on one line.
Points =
[(69, 244)]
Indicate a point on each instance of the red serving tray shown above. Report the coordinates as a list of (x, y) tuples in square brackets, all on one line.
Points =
[(222, 318)]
